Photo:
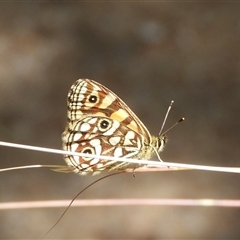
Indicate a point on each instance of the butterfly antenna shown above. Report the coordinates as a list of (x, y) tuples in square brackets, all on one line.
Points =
[(166, 116), (180, 120)]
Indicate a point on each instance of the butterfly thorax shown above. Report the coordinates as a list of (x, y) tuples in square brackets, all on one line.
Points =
[(154, 148)]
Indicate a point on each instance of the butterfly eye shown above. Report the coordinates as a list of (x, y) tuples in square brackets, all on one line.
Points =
[(161, 142), (93, 99), (104, 125)]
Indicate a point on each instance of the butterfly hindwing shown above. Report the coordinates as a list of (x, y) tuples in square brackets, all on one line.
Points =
[(100, 136)]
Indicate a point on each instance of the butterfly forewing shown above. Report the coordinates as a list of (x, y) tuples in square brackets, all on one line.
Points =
[(89, 98)]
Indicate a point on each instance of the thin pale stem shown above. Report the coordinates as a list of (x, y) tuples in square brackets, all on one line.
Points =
[(120, 202)]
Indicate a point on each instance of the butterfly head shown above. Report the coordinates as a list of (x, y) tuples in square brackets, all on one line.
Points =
[(157, 145), (161, 142)]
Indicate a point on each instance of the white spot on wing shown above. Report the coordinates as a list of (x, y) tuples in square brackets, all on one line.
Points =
[(94, 161), (85, 127), (84, 165), (114, 140), (128, 137), (92, 120), (95, 142), (84, 89), (118, 152), (74, 147), (77, 136)]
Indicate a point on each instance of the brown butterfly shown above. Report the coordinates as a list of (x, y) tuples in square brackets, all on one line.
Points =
[(100, 123)]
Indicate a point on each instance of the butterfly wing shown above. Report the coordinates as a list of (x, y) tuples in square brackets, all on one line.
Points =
[(89, 98), (100, 123), (99, 136)]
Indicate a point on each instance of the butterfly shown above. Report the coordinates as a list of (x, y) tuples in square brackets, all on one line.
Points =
[(100, 123)]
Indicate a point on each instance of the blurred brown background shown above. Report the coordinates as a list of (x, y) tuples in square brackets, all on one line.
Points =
[(149, 54)]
